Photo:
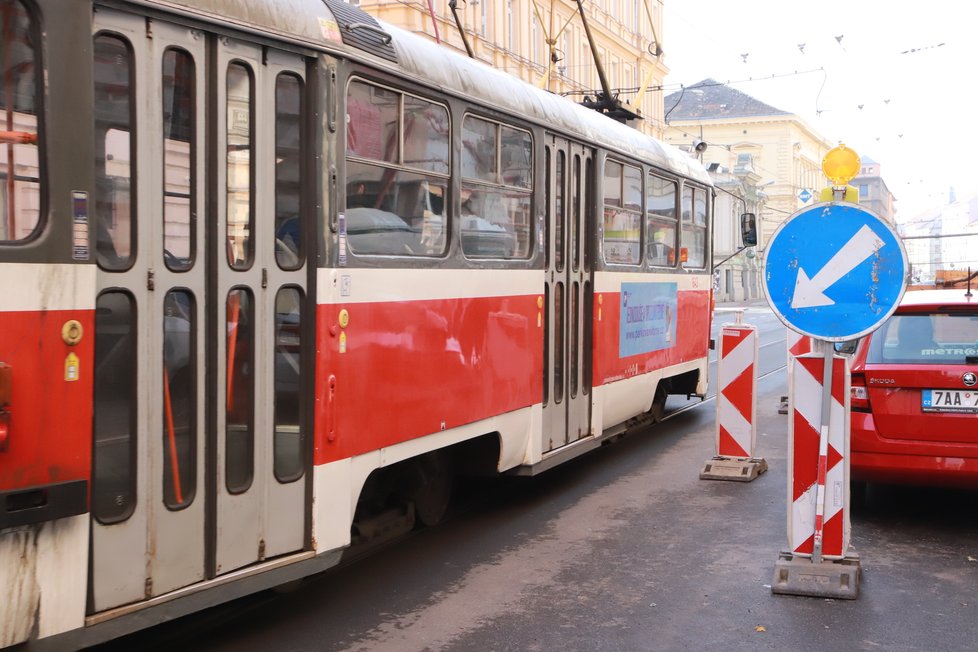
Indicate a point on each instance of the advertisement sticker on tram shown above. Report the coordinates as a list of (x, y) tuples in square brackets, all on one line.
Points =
[(648, 321)]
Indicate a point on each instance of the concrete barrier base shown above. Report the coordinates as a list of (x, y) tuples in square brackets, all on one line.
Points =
[(730, 468), (829, 579)]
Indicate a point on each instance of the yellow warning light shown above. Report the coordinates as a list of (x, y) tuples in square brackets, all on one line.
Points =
[(840, 165)]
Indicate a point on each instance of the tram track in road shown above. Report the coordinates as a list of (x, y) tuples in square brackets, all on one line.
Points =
[(712, 395)]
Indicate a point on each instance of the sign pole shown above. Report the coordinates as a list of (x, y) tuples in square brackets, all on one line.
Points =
[(823, 449)]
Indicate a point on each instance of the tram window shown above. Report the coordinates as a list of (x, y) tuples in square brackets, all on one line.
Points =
[(114, 207), (559, 332), (396, 197), (693, 252), (289, 175), (394, 212), (516, 157), (289, 428), (479, 149), (549, 204), (496, 219), (576, 243), (240, 178), (114, 416), (179, 159), (662, 224), (21, 189), (622, 213), (426, 135), (239, 442), (560, 217), (495, 223), (179, 399), (373, 117)]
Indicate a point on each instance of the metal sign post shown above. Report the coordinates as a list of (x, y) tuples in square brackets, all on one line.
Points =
[(834, 272)]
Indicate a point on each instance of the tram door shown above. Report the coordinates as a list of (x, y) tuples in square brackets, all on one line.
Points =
[(199, 465), (567, 348)]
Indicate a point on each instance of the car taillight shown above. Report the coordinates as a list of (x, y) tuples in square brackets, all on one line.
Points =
[(859, 395)]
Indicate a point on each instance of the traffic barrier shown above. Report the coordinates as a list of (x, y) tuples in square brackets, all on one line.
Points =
[(798, 344), (817, 562), (736, 422)]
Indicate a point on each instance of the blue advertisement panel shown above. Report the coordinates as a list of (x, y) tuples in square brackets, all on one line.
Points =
[(648, 318)]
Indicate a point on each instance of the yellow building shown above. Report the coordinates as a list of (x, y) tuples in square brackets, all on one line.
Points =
[(731, 128), (513, 35)]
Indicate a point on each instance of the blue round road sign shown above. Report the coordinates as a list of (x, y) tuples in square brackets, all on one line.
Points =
[(834, 271)]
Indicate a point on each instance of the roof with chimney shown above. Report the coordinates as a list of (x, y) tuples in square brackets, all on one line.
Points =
[(709, 99)]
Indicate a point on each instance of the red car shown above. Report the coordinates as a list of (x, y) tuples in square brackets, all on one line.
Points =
[(915, 394)]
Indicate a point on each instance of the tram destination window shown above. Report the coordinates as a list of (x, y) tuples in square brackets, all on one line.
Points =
[(497, 183), (622, 213), (397, 172), (21, 174)]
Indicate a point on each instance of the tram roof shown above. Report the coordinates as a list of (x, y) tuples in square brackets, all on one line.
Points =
[(313, 23), (454, 72)]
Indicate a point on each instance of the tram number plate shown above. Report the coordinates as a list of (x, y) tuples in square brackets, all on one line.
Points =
[(949, 400)]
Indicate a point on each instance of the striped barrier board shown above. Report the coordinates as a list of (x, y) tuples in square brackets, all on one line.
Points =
[(736, 422), (798, 344), (818, 472), (818, 562)]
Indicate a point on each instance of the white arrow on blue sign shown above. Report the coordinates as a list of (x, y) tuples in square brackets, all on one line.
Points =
[(835, 271)]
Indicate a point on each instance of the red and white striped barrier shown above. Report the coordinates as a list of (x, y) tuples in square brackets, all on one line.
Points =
[(818, 466), (736, 430), (798, 344)]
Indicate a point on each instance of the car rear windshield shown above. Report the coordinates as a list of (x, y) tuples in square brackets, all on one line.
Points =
[(941, 338)]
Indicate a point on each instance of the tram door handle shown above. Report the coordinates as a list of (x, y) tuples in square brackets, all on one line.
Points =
[(331, 408)]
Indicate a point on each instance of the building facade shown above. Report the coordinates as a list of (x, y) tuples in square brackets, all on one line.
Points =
[(873, 192), (517, 35), (720, 125)]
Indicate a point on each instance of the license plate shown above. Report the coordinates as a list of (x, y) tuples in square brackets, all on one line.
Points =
[(949, 400)]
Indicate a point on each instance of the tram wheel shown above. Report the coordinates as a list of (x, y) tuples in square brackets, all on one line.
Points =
[(433, 491)]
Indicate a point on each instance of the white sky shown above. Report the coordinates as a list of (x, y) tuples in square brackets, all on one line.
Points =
[(919, 115)]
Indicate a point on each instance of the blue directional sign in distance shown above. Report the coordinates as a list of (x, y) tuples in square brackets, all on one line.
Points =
[(834, 271)]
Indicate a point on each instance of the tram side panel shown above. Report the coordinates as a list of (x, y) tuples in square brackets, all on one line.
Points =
[(646, 328), (412, 360)]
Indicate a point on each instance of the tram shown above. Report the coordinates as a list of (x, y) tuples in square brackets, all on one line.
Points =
[(273, 273)]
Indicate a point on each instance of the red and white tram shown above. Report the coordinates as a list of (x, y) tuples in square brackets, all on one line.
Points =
[(271, 273)]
